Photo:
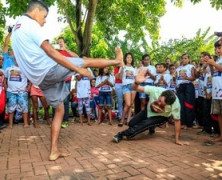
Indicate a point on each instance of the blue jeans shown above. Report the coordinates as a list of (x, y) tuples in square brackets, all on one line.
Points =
[(66, 104), (105, 96), (119, 93)]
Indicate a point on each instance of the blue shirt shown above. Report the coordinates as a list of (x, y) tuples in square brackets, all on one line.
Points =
[(8, 61)]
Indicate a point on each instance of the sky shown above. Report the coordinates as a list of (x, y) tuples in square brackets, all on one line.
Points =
[(177, 22)]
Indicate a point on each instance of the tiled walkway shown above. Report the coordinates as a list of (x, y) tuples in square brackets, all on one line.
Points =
[(24, 155)]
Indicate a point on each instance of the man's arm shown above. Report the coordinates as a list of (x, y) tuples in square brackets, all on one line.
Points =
[(54, 54), (177, 133), (5, 46)]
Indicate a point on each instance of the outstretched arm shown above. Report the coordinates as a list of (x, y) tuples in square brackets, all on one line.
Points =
[(7, 39)]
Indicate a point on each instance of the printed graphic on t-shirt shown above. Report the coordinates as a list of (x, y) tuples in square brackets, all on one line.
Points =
[(216, 73), (105, 88), (129, 74), (195, 83), (161, 84), (209, 82), (182, 74), (15, 75), (218, 92), (85, 78), (172, 84)]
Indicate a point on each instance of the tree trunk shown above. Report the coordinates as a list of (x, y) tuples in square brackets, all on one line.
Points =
[(87, 37)]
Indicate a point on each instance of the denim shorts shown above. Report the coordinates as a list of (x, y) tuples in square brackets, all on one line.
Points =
[(144, 95), (105, 97), (127, 88), (18, 102)]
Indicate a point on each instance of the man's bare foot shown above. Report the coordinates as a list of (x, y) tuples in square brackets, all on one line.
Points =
[(219, 139), (111, 123), (56, 155), (89, 124), (119, 56), (9, 126), (36, 125), (26, 126)]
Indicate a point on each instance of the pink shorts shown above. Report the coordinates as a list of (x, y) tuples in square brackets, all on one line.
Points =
[(36, 91)]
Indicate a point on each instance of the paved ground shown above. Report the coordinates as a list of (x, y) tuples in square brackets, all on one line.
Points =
[(24, 153)]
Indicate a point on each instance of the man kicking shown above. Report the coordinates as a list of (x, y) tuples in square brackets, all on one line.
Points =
[(162, 104), (46, 67)]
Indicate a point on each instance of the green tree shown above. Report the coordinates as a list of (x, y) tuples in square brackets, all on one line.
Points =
[(174, 48), (138, 18), (2, 23)]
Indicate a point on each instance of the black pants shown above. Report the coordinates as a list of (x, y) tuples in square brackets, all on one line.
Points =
[(199, 108), (186, 95), (140, 123)]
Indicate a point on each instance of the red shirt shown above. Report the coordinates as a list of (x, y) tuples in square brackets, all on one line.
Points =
[(116, 70), (66, 54)]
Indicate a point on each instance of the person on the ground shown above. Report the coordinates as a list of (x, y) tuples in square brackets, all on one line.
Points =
[(162, 104), (46, 67)]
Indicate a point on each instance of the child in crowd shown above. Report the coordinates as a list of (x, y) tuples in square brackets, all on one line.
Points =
[(149, 81), (186, 91), (127, 74), (216, 71), (35, 94), (172, 85), (74, 103), (94, 99), (163, 79), (157, 66), (16, 85), (105, 82), (83, 95)]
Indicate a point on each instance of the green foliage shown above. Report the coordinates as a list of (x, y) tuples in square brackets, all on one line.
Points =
[(217, 4), (2, 23), (175, 48), (17, 8)]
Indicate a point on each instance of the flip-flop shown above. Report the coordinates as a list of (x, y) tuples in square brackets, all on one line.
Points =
[(53, 157)]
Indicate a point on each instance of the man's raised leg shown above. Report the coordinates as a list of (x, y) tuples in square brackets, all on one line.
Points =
[(55, 131), (101, 63)]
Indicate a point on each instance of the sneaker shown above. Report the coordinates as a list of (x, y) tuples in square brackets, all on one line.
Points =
[(117, 138), (64, 125)]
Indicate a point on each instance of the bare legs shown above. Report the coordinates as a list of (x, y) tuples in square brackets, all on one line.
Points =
[(35, 110), (129, 101), (55, 131), (219, 139), (25, 118)]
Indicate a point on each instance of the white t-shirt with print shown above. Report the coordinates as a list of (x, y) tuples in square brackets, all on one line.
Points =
[(16, 80), (217, 82), (166, 77), (83, 86), (106, 87), (184, 70), (172, 85), (27, 37), (129, 74)]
